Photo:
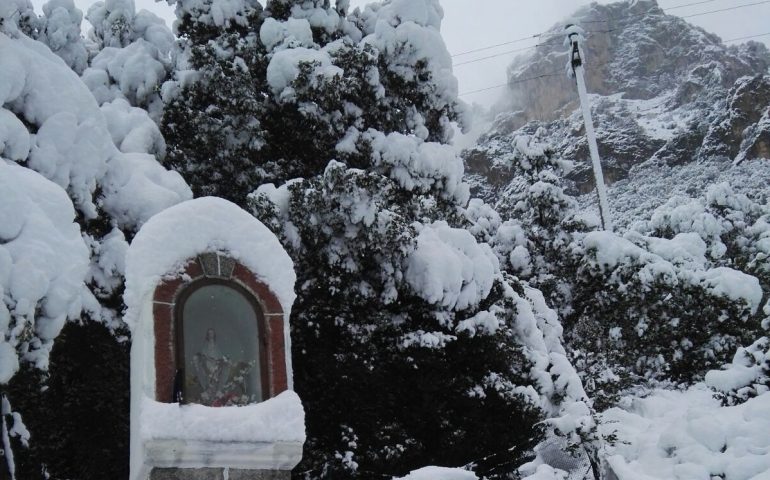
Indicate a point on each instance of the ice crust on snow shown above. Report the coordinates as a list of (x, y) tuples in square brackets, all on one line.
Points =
[(279, 419)]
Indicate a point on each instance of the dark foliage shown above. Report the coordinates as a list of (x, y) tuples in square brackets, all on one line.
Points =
[(77, 414)]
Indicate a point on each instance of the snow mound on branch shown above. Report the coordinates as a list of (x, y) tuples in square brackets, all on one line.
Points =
[(747, 376), (439, 473), (555, 376), (70, 147), (735, 285), (43, 262), (116, 23), (73, 146), (419, 165), (294, 32), (134, 53), (284, 67), (136, 70), (449, 268), (408, 32), (60, 30), (132, 129), (612, 251), (689, 435), (216, 13), (278, 419), (136, 187), (546, 472), (171, 238)]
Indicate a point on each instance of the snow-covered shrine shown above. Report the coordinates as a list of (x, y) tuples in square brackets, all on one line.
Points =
[(209, 290)]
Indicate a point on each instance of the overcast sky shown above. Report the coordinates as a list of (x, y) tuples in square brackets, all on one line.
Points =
[(472, 24)]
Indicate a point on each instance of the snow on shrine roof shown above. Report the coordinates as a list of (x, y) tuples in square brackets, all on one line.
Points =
[(171, 238)]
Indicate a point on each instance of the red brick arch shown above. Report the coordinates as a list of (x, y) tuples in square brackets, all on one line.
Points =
[(223, 269)]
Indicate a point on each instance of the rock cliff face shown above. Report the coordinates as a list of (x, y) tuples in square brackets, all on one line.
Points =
[(662, 91)]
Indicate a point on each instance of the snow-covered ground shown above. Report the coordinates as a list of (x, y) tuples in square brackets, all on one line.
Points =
[(689, 435)]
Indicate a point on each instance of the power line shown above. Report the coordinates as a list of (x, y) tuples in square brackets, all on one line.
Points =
[(522, 39), (746, 38), (554, 73), (482, 90), (676, 7), (541, 34), (508, 52), (726, 9), (667, 9), (736, 7)]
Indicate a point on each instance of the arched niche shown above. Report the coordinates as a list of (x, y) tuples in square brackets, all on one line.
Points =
[(219, 335)]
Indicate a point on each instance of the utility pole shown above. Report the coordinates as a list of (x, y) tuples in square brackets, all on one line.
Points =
[(576, 68)]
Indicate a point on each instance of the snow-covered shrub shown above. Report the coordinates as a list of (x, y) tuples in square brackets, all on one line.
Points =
[(667, 301), (721, 218), (746, 377), (648, 308), (59, 28), (725, 233), (132, 54), (735, 228), (541, 224)]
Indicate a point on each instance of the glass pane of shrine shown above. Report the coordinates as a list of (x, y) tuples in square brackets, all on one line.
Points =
[(221, 348)]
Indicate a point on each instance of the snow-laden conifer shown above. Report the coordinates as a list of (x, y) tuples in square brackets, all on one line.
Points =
[(398, 303), (71, 201)]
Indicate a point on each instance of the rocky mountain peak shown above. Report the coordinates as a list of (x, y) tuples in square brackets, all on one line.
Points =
[(661, 90)]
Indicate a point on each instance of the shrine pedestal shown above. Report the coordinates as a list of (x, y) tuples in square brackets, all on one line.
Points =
[(217, 474)]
